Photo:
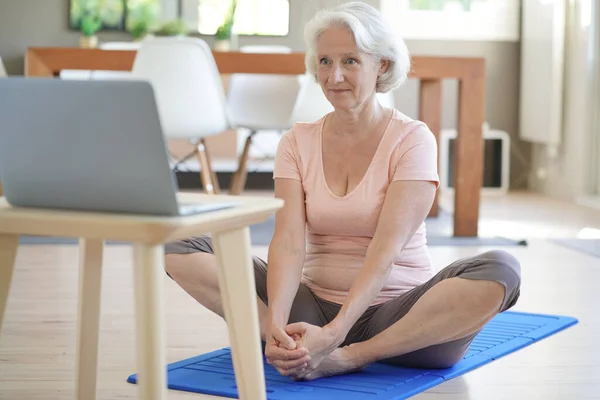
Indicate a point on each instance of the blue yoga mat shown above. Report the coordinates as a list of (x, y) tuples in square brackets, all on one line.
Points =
[(212, 373)]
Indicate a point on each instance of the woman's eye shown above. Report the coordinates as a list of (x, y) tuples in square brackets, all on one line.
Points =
[(351, 61), (324, 61)]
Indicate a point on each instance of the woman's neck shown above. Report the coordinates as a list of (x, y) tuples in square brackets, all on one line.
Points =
[(358, 121)]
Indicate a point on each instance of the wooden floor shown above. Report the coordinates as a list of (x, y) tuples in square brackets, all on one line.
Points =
[(37, 346)]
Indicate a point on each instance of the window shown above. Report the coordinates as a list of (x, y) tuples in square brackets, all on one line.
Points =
[(455, 19), (252, 17), (115, 14)]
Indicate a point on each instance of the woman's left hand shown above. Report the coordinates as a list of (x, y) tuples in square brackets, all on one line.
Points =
[(320, 341)]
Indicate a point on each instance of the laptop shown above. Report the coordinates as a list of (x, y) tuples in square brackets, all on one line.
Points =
[(89, 146)]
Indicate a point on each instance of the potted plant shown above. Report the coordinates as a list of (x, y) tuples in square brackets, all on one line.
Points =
[(139, 29), (90, 25), (142, 20), (172, 28), (224, 32)]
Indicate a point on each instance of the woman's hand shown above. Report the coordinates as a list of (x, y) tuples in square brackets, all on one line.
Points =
[(319, 342), (283, 352)]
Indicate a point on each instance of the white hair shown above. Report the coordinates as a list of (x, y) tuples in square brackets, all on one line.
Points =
[(373, 35)]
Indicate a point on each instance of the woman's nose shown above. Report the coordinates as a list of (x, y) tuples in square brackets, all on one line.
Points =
[(337, 74)]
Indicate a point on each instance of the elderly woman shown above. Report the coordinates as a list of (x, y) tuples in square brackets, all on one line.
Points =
[(349, 280)]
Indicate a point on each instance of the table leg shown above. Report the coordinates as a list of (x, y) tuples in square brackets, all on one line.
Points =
[(88, 317), (430, 112), (9, 244), (238, 293), (468, 171), (151, 359)]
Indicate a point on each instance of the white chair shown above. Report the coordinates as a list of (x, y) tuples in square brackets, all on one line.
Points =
[(3, 73), (311, 103), (259, 102), (189, 93), (120, 45)]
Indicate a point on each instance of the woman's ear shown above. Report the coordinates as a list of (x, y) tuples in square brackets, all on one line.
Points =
[(383, 66)]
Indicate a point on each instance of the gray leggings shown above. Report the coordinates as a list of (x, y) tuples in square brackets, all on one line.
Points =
[(496, 265)]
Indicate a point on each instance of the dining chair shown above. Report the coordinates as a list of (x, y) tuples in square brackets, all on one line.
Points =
[(189, 94), (3, 73), (259, 102)]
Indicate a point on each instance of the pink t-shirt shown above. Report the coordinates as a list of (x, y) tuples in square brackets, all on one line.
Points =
[(339, 229)]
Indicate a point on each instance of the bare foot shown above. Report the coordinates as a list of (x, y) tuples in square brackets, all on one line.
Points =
[(338, 362)]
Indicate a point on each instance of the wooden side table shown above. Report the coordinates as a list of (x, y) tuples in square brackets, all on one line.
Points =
[(231, 238)]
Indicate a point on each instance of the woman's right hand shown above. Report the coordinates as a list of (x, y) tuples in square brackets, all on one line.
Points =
[(283, 353)]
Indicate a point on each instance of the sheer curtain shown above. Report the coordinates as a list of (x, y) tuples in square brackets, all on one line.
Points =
[(558, 103), (581, 125), (595, 101)]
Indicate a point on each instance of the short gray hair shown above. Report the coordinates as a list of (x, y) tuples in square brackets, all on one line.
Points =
[(373, 35)]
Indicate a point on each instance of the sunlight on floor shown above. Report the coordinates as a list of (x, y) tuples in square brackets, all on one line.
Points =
[(589, 233)]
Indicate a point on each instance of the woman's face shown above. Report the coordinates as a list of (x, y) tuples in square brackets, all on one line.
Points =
[(348, 77)]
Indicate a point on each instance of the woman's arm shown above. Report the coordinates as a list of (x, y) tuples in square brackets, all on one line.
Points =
[(287, 251), (286, 258), (408, 200), (406, 205)]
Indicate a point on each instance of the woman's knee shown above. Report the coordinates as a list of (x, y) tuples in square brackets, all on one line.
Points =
[(502, 264), (502, 259), (501, 267)]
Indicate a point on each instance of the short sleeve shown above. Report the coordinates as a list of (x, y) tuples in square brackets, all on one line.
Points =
[(286, 164), (415, 157)]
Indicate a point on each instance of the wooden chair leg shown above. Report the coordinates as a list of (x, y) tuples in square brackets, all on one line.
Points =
[(205, 171), (213, 174), (238, 181)]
